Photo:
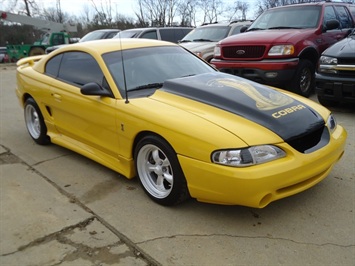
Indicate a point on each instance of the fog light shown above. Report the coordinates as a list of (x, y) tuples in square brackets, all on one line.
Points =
[(271, 74)]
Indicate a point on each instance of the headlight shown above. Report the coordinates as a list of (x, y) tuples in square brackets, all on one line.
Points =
[(331, 123), (326, 60), (217, 51), (248, 156), (199, 54), (327, 65), (282, 50)]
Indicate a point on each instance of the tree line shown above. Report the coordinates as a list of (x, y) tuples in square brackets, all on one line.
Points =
[(104, 14)]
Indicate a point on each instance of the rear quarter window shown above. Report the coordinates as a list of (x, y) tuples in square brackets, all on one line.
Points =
[(167, 35), (52, 66), (152, 34)]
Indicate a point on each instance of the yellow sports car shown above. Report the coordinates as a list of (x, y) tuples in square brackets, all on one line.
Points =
[(154, 110)]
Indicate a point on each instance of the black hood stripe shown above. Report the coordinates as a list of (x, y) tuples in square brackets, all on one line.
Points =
[(276, 111)]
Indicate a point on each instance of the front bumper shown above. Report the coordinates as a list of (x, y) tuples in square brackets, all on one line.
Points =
[(270, 72), (258, 185), (335, 88)]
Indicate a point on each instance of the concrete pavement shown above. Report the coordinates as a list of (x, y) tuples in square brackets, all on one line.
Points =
[(59, 208)]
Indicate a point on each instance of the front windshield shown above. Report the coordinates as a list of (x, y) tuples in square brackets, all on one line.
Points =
[(214, 34), (94, 35), (288, 17), (153, 65), (127, 34)]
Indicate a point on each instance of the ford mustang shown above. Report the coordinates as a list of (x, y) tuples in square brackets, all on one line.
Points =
[(154, 110)]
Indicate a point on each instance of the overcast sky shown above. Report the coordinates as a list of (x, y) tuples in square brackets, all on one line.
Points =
[(124, 7)]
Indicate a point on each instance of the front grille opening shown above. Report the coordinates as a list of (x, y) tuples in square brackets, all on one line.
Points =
[(243, 52), (308, 141)]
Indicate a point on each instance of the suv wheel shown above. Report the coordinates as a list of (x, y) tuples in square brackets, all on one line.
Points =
[(304, 80), (326, 102)]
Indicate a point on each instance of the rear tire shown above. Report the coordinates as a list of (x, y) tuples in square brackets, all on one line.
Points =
[(36, 51), (303, 82), (35, 122)]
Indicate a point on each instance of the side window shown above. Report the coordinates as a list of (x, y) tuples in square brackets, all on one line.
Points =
[(352, 11), (345, 20), (52, 67), (329, 14), (57, 39), (80, 68), (150, 35), (167, 35), (111, 35)]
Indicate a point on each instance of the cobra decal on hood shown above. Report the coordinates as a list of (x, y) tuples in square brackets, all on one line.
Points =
[(276, 111)]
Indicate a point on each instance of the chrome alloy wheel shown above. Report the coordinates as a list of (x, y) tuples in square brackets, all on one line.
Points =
[(305, 80), (155, 171), (32, 120)]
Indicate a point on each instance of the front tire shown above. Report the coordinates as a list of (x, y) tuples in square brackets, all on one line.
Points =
[(159, 171), (304, 80), (326, 102), (35, 122)]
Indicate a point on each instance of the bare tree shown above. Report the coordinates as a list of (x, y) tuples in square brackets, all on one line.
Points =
[(55, 14), (103, 16), (157, 12), (25, 7), (187, 11), (266, 4), (238, 11), (212, 10)]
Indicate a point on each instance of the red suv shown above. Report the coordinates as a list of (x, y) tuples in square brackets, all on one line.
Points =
[(283, 45)]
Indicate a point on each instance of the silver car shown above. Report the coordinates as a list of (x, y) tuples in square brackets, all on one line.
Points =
[(203, 39)]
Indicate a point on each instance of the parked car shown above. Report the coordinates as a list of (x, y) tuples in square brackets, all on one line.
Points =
[(335, 78), (283, 45), (170, 34), (203, 39), (4, 58), (91, 36), (185, 129)]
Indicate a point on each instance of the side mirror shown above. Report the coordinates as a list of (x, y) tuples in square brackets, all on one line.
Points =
[(94, 89), (243, 29), (332, 24)]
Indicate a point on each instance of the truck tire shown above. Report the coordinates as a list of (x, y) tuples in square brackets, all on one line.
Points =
[(326, 102), (304, 80), (36, 51)]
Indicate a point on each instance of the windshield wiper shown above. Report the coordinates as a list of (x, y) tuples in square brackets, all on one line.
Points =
[(252, 29), (283, 27), (184, 41), (147, 86), (202, 40)]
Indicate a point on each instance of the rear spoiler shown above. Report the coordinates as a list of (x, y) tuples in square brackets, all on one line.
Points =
[(29, 60)]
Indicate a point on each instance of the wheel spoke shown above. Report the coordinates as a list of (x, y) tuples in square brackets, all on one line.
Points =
[(168, 177), (155, 155), (151, 167)]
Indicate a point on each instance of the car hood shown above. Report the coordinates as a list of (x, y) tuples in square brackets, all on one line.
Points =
[(278, 112), (343, 48), (266, 36), (198, 46)]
